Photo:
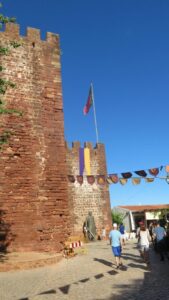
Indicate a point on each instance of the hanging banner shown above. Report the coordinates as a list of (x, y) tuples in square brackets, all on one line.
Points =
[(87, 160), (81, 161)]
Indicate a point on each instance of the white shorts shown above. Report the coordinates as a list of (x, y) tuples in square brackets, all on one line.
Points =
[(123, 236), (143, 248)]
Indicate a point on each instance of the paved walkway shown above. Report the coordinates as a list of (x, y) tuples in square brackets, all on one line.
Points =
[(91, 276)]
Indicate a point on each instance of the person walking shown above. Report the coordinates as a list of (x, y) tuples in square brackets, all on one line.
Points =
[(159, 234), (144, 239), (122, 231), (116, 243)]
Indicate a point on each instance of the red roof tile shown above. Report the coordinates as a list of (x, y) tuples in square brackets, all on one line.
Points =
[(145, 207)]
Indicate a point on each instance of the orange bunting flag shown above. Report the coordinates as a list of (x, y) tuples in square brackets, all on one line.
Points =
[(136, 181), (167, 168), (149, 180)]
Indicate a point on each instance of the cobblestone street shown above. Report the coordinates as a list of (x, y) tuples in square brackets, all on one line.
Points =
[(91, 275)]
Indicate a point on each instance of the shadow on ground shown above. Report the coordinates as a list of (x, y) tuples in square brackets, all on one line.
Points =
[(154, 286), (65, 289)]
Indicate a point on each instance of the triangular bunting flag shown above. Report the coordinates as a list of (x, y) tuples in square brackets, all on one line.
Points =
[(141, 173), (79, 179), (114, 178), (101, 179), (154, 171), (136, 181), (167, 168), (71, 178), (149, 180), (123, 181), (90, 179), (126, 175), (109, 180)]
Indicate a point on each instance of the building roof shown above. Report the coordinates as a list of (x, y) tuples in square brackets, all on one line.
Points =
[(140, 208)]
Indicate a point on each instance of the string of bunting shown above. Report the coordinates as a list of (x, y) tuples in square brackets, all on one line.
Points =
[(121, 178)]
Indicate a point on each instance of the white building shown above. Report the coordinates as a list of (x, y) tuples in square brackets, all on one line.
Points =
[(134, 214)]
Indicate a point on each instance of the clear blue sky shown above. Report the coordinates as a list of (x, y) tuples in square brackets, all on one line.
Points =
[(123, 47)]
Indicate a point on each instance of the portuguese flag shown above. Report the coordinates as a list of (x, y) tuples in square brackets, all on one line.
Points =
[(89, 102)]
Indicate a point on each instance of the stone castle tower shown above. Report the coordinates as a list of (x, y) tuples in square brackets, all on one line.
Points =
[(38, 205)]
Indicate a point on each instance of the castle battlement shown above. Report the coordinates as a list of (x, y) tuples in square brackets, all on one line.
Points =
[(76, 145), (33, 35)]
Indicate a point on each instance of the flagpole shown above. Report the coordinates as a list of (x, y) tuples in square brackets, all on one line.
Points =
[(94, 111)]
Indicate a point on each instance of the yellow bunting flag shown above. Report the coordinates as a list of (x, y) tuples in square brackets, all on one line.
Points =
[(123, 181), (109, 180), (101, 179), (87, 160)]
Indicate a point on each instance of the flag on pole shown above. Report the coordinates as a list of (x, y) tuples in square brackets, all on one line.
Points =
[(89, 102)]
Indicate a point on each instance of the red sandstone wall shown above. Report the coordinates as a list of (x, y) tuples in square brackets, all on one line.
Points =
[(33, 180), (84, 198)]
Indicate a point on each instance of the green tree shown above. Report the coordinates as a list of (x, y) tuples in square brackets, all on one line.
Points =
[(117, 217), (5, 84)]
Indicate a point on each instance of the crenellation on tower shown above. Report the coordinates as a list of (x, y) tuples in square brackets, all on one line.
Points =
[(52, 38), (12, 29), (88, 145), (33, 34)]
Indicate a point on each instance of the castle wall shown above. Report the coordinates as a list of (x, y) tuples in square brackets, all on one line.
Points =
[(86, 197), (33, 177)]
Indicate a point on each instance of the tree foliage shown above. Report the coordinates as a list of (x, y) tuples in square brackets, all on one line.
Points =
[(117, 217)]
